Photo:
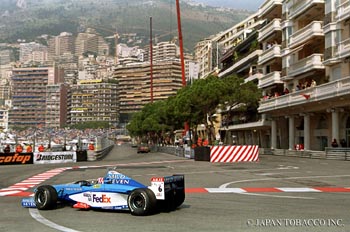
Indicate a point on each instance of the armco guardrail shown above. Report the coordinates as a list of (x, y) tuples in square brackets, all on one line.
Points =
[(173, 150), (102, 148), (100, 154), (329, 153), (338, 153)]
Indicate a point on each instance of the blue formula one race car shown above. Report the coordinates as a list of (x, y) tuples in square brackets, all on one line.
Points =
[(115, 191)]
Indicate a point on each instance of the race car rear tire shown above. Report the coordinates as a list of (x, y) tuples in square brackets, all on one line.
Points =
[(142, 202), (45, 197)]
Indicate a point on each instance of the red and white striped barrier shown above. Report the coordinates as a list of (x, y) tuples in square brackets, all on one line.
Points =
[(228, 154)]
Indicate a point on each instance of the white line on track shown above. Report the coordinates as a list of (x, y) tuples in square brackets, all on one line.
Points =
[(273, 173), (37, 216), (224, 186), (280, 178), (276, 196)]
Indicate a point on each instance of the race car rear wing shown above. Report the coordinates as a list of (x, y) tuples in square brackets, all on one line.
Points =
[(161, 186)]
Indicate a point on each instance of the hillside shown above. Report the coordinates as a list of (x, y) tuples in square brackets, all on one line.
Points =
[(28, 19)]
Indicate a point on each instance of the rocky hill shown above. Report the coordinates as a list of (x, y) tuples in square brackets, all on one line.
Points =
[(28, 19)]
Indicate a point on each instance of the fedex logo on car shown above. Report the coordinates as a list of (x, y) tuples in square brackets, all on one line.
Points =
[(101, 199)]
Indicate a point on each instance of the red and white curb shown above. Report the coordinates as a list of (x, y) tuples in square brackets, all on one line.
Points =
[(269, 190), (20, 188)]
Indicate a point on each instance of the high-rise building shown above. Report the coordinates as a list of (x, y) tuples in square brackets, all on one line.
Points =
[(215, 51), (60, 45), (162, 51), (90, 41), (94, 100), (29, 89), (57, 105), (135, 84)]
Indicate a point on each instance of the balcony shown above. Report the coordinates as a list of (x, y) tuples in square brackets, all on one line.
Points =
[(269, 54), (300, 6), (265, 32), (270, 79), (268, 6), (322, 92), (343, 49), (242, 62), (254, 76), (312, 30), (343, 11), (249, 125), (315, 61)]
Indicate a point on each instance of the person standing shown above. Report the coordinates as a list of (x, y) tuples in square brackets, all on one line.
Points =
[(19, 148), (7, 149), (29, 149), (334, 143), (41, 148)]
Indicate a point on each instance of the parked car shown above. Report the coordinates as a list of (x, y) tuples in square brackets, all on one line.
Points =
[(143, 148)]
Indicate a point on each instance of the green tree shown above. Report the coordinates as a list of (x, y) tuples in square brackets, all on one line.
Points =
[(194, 104)]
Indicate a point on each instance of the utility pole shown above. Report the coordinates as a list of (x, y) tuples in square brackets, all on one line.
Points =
[(186, 125), (151, 58), (180, 43)]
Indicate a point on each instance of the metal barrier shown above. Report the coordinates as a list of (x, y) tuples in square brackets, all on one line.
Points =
[(103, 147), (338, 153)]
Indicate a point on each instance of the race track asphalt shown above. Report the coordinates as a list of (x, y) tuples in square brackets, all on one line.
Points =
[(274, 194)]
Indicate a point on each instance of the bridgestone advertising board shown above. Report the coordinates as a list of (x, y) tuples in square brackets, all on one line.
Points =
[(55, 157)]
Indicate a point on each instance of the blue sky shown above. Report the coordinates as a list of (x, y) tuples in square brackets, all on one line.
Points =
[(252, 5)]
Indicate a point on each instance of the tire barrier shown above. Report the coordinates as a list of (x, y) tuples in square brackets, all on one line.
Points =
[(81, 156), (202, 153), (228, 154)]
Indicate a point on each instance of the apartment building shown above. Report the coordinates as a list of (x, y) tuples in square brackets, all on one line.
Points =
[(60, 45), (205, 58), (211, 53), (57, 105), (241, 55), (304, 75), (29, 92), (6, 56), (127, 55), (33, 53), (162, 51), (135, 84), (3, 119), (94, 100), (90, 41)]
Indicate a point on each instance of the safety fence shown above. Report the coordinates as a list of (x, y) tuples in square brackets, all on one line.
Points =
[(330, 153), (102, 148)]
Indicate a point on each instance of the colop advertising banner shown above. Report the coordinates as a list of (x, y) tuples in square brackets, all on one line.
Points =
[(55, 157)]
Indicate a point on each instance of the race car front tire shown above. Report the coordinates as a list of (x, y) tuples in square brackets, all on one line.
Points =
[(45, 197), (142, 202)]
